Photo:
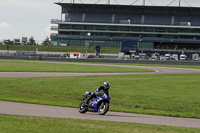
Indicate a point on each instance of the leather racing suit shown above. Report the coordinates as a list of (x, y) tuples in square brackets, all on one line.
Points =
[(100, 91)]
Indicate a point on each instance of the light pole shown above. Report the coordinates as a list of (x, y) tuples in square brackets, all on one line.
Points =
[(87, 42), (143, 2), (22, 38)]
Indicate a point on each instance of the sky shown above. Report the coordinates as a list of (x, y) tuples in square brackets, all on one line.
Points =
[(26, 18)]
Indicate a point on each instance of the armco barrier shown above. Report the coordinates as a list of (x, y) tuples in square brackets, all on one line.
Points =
[(100, 60), (22, 57)]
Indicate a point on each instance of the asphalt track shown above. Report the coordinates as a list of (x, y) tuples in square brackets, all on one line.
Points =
[(64, 112)]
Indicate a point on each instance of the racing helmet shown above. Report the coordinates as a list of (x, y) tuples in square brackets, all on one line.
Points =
[(106, 85)]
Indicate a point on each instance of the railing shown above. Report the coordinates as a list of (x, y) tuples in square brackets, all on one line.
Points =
[(53, 34), (54, 28), (56, 21), (169, 50)]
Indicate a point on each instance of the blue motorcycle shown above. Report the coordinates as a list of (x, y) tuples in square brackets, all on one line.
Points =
[(98, 104)]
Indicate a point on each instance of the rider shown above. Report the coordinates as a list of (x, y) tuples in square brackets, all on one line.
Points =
[(99, 91)]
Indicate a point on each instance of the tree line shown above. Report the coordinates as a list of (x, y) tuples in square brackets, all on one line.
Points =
[(30, 41)]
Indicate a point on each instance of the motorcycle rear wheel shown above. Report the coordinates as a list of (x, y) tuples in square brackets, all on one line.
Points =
[(82, 107), (103, 108)]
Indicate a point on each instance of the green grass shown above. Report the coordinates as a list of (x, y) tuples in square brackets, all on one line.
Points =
[(19, 66), (162, 65), (45, 67), (27, 124), (60, 48), (163, 94), (156, 65)]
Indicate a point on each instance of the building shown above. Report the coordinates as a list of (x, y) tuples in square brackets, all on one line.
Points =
[(77, 55), (161, 29)]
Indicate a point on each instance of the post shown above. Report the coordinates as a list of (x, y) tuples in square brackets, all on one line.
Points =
[(87, 43), (143, 2), (61, 13), (8, 49), (179, 3)]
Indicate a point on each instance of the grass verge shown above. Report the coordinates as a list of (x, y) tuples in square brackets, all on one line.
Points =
[(162, 65), (28, 124), (156, 65), (163, 94), (38, 66)]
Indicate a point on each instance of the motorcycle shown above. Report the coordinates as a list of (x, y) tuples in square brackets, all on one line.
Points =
[(99, 104)]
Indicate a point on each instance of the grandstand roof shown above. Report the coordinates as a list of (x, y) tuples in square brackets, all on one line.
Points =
[(109, 8)]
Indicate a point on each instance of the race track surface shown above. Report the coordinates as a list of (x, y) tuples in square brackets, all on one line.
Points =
[(64, 112)]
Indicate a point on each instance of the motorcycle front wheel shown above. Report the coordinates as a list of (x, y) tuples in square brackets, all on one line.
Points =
[(103, 108), (82, 107)]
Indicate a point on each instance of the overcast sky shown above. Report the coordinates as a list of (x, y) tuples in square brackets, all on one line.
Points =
[(26, 18)]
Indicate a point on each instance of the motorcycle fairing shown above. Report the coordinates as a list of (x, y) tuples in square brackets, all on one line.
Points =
[(97, 101)]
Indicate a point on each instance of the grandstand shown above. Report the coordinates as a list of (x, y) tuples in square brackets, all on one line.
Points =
[(156, 28)]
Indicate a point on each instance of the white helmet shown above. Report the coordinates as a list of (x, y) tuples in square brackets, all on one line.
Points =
[(106, 85)]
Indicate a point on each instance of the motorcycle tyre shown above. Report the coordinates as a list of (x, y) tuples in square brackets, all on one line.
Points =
[(85, 108), (105, 110)]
